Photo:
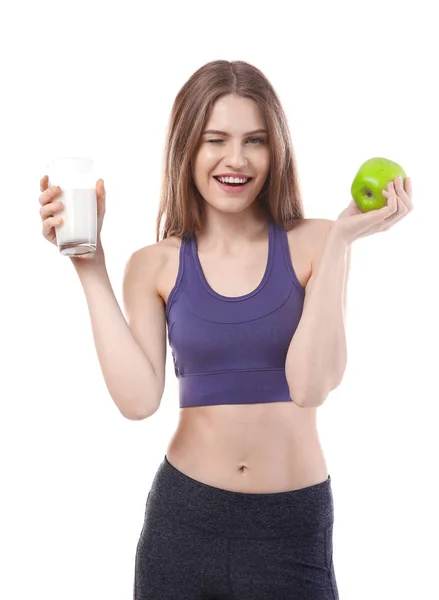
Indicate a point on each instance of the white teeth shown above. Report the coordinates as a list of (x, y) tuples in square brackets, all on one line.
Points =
[(233, 179)]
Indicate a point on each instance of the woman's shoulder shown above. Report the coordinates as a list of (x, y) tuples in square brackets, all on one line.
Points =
[(155, 256), (305, 241), (310, 231), (307, 224)]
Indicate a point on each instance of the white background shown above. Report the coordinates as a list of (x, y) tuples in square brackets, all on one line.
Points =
[(97, 79)]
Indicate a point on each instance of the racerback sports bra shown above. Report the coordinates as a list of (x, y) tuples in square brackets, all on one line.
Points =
[(232, 350)]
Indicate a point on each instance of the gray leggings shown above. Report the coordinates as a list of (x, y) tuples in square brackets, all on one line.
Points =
[(200, 542)]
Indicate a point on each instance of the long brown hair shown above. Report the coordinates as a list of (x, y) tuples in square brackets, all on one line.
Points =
[(180, 200)]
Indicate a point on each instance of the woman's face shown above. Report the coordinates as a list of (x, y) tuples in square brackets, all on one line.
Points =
[(233, 143)]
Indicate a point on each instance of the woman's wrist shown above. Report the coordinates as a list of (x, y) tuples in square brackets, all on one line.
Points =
[(90, 262)]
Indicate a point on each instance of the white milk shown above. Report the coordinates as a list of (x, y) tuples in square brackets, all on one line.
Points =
[(77, 234)]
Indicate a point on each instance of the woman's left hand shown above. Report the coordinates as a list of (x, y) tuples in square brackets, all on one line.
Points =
[(352, 224)]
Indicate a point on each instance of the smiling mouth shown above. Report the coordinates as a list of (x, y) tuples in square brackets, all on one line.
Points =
[(248, 179)]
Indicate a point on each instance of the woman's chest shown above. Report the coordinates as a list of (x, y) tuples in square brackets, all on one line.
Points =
[(234, 278)]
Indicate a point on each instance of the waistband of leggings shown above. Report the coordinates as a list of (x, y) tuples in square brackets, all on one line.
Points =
[(295, 512)]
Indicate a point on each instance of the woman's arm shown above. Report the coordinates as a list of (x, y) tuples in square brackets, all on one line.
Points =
[(131, 356), (317, 355)]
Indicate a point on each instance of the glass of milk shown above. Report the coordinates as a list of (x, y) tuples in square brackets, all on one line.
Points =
[(76, 177)]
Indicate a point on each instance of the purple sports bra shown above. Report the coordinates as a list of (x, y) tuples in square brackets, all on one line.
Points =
[(233, 350)]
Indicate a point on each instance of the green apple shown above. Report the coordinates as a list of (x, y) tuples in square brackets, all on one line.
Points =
[(373, 177)]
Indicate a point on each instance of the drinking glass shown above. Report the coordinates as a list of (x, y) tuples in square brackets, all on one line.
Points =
[(76, 178)]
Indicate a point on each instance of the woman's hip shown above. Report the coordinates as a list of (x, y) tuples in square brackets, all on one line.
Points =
[(178, 497)]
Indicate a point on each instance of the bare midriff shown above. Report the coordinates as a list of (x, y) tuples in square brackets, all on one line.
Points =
[(251, 448)]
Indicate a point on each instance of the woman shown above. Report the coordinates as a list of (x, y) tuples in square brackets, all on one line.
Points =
[(254, 298)]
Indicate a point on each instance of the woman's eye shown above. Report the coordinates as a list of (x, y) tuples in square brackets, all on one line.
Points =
[(258, 140)]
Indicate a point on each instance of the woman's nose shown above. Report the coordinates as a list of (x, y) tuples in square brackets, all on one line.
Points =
[(236, 156)]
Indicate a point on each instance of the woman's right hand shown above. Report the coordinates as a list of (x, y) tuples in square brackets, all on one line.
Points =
[(50, 209)]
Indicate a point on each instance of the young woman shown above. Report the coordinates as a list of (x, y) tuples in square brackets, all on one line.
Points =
[(254, 297)]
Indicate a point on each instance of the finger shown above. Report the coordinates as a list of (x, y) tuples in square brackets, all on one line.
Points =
[(44, 183), (49, 194), (50, 209), (100, 189), (49, 223), (390, 194), (392, 203), (402, 200), (400, 213), (390, 188), (398, 202), (402, 194), (409, 190)]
